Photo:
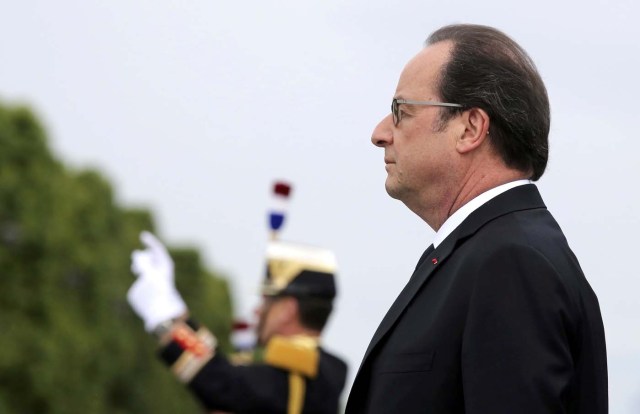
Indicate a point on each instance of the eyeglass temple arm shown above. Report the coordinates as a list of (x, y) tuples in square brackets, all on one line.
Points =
[(428, 103)]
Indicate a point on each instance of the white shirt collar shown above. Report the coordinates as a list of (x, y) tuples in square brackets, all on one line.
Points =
[(463, 212)]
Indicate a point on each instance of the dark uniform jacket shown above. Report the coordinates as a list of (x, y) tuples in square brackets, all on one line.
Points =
[(263, 387), (498, 319)]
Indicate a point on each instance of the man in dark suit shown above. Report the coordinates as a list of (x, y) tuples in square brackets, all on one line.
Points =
[(293, 375), (497, 316)]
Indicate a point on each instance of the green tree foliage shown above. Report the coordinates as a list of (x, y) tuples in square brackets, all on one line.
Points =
[(69, 342)]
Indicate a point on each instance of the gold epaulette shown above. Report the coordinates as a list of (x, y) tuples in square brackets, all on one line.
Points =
[(298, 354)]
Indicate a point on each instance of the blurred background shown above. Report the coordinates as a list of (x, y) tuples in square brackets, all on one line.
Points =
[(178, 116)]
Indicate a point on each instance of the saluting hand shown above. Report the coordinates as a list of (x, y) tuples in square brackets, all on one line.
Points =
[(153, 296)]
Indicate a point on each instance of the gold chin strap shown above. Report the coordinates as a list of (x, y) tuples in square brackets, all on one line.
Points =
[(299, 355)]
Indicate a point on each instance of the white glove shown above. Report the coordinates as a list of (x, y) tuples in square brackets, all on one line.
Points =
[(153, 296)]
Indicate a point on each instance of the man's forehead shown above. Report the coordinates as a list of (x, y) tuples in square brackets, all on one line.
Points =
[(420, 73)]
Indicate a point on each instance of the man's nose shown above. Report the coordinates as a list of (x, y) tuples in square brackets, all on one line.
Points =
[(257, 311), (382, 134)]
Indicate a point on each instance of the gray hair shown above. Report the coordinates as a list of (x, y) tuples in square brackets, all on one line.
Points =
[(489, 70)]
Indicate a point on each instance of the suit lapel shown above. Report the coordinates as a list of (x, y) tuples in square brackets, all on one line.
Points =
[(519, 198), (427, 264)]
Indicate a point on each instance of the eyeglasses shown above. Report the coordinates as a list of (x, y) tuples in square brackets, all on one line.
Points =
[(397, 117)]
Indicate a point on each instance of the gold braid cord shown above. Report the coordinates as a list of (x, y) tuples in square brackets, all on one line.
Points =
[(296, 393)]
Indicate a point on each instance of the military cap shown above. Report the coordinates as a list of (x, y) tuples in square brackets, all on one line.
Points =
[(299, 270)]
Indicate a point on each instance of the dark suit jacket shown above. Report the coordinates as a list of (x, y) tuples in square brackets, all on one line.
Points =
[(498, 319)]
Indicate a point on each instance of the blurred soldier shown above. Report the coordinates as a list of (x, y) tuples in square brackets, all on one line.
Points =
[(295, 376)]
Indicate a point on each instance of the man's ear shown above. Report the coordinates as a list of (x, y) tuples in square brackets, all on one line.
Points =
[(476, 130), (289, 308)]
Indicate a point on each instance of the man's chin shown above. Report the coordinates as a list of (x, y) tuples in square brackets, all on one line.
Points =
[(260, 336), (392, 189)]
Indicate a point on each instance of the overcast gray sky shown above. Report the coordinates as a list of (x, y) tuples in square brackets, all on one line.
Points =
[(193, 108)]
